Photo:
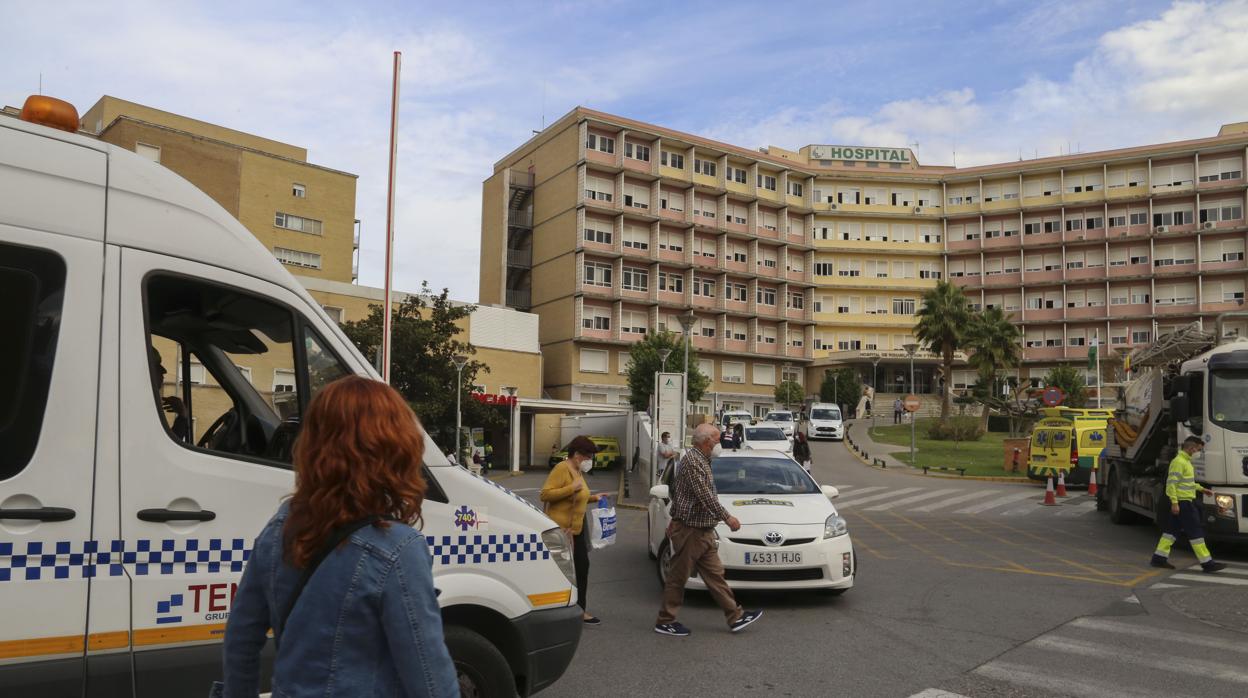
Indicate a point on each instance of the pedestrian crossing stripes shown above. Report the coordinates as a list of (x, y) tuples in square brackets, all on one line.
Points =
[(876, 497), (999, 501), (909, 500), (1112, 657), (1235, 575), (950, 501), (991, 501)]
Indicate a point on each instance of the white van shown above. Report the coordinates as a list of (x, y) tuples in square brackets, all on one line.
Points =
[(123, 532), (825, 422)]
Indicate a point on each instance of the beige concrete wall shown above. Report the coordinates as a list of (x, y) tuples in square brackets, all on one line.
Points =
[(266, 186), (555, 237), (558, 320), (556, 195), (107, 109), (212, 167), (492, 287)]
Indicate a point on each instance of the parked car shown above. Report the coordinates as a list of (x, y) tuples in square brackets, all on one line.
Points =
[(784, 419), (608, 455), (791, 536), (731, 417)]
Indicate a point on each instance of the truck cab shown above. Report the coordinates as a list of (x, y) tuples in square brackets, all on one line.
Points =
[(156, 362)]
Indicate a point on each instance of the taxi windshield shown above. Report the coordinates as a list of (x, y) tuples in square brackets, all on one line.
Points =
[(779, 417), (737, 475), (764, 434)]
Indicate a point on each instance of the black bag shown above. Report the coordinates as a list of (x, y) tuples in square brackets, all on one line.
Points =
[(336, 537)]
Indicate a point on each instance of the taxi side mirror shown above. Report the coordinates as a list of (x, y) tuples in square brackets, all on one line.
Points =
[(659, 491), (830, 492)]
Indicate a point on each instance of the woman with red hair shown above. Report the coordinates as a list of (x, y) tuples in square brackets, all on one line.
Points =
[(339, 574)]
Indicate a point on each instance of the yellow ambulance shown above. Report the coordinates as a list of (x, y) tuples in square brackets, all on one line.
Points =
[(1069, 439)]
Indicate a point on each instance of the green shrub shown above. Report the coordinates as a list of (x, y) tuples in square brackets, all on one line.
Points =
[(955, 429)]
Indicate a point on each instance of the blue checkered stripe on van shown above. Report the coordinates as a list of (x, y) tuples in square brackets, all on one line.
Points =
[(35, 560), (459, 550)]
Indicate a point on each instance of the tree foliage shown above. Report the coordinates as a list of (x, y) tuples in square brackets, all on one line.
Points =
[(1072, 383), (644, 362), (424, 337), (844, 389), (995, 344), (942, 326), (790, 393)]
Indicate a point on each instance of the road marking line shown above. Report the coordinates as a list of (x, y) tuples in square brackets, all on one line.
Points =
[(1021, 675), (993, 504), (1228, 570), (936, 693), (886, 495), (1163, 585), (1114, 626), (862, 491), (958, 500), (1151, 660), (910, 500), (1210, 579)]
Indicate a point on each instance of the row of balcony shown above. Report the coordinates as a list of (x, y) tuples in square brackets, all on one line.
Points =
[(673, 300), (1124, 233), (716, 224), (1142, 271)]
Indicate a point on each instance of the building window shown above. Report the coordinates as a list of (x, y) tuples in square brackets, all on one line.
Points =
[(600, 143), (903, 306), (767, 182), (594, 361), (596, 318), (297, 258), (599, 236), (636, 239), (298, 191), (334, 313), (735, 174), (795, 189), (672, 160), (637, 151), (151, 152), (766, 296), (671, 283), (704, 167), (635, 279), (598, 274), (297, 223)]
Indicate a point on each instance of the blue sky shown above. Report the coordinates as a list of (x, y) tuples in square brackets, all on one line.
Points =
[(974, 82)]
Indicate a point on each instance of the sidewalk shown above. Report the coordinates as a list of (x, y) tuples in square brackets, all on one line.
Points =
[(858, 431)]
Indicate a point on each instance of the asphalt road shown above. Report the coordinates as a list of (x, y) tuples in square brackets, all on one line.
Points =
[(964, 587)]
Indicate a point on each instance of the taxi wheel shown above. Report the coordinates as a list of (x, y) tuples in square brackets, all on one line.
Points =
[(482, 670)]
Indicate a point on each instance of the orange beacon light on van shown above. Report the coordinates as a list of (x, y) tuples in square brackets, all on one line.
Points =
[(50, 112)]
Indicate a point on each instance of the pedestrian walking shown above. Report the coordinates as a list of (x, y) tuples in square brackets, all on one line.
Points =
[(566, 494), (897, 410), (801, 450), (696, 512), (339, 573), (1181, 489)]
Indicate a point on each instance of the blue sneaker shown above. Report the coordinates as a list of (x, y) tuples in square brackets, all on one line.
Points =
[(746, 618), (674, 629)]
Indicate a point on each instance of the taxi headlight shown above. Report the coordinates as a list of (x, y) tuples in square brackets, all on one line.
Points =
[(1226, 504), (561, 552), (835, 526)]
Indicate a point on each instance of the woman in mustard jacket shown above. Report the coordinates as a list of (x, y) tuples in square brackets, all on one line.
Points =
[(566, 496)]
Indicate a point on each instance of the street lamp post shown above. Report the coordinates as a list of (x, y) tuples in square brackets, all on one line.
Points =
[(460, 362), (910, 350), (874, 390), (686, 325), (654, 419), (784, 371), (512, 446)]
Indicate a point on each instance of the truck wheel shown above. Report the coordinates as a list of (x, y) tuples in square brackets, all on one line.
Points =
[(482, 670), (1117, 513)]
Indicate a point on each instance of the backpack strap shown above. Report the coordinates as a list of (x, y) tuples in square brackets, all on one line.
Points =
[(336, 537)]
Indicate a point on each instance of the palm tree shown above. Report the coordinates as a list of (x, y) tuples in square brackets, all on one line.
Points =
[(993, 338), (943, 322)]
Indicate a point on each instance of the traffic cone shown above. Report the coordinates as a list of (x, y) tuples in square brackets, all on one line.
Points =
[(1049, 499), (1061, 483), (1092, 483)]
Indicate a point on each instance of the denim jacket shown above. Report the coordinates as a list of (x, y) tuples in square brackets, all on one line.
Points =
[(366, 624)]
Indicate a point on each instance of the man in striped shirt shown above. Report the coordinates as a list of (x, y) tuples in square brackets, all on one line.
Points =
[(1181, 489), (696, 512)]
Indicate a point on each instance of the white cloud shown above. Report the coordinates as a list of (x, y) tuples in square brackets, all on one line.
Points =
[(1180, 75)]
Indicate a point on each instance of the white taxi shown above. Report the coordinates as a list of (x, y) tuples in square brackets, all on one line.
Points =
[(791, 536)]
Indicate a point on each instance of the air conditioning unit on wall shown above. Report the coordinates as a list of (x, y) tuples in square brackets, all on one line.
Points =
[(1207, 225)]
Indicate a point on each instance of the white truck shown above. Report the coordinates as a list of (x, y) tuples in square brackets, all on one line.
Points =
[(1189, 382), (122, 536)]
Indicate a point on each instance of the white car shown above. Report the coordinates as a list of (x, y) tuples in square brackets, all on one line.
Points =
[(732, 417), (764, 436), (784, 419), (825, 422), (791, 536)]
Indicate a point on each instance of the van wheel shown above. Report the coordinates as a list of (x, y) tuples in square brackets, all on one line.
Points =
[(649, 537), (482, 670)]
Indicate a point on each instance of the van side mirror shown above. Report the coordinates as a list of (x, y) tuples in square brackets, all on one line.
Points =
[(659, 491)]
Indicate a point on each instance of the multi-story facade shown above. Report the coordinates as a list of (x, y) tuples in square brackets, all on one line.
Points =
[(610, 228), (303, 213)]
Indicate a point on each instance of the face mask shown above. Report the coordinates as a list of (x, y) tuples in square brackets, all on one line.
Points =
[(717, 451), (587, 465)]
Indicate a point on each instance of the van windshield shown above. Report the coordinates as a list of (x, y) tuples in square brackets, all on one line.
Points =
[(825, 414), (1228, 398)]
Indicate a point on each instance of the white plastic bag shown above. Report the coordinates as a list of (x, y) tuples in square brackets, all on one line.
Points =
[(601, 526)]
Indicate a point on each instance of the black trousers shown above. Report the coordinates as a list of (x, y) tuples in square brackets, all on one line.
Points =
[(580, 562), (896, 417)]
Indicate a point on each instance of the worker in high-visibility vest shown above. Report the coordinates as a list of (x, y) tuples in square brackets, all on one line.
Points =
[(1181, 490)]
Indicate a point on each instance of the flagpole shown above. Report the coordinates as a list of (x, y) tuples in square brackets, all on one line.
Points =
[(1097, 343), (394, 133)]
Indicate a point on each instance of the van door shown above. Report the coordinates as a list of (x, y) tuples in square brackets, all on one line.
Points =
[(49, 370), (216, 368)]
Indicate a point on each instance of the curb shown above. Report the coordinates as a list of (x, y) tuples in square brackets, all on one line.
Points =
[(629, 505)]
